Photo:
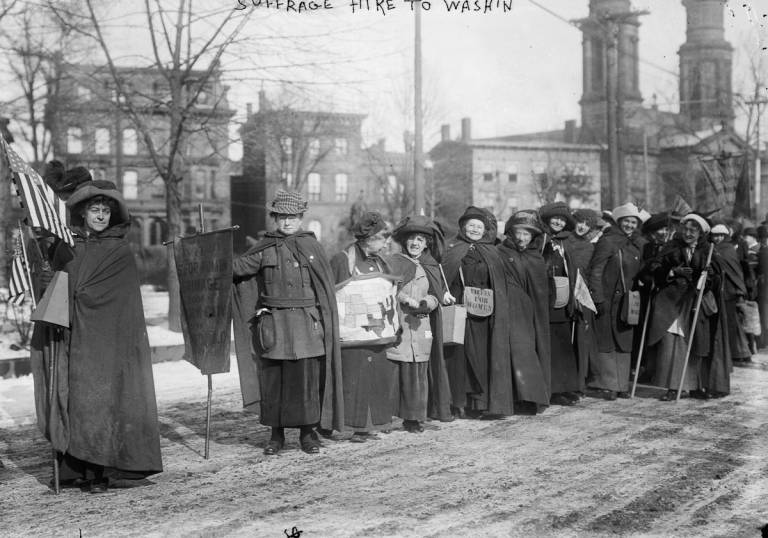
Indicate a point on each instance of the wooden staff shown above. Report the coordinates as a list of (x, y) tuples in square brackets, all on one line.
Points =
[(210, 377), (642, 341), (700, 285)]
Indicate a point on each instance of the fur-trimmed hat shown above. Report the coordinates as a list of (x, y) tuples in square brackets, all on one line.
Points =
[(527, 219), (557, 209), (474, 212), (625, 211), (369, 224), (421, 224), (589, 216), (92, 189)]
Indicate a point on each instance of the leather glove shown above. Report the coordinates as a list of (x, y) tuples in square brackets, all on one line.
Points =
[(685, 272)]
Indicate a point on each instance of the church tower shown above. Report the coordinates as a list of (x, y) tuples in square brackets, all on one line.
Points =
[(705, 66), (608, 19)]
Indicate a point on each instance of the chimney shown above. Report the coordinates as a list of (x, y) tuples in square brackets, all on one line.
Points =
[(569, 134), (382, 144), (248, 110), (445, 133), (466, 129), (408, 140)]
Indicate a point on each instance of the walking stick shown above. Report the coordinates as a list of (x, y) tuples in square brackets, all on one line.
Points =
[(642, 341), (699, 286)]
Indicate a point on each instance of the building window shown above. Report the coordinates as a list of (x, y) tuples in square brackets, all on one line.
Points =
[(314, 147), (487, 173), (130, 142), (539, 172), (340, 146), (512, 172), (212, 184), (342, 187), (157, 232), (512, 204), (130, 184), (102, 141), (199, 184), (391, 185), (83, 93), (286, 144), (74, 140), (313, 187), (316, 228)]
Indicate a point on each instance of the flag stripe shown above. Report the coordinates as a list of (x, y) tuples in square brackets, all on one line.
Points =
[(18, 283), (44, 209)]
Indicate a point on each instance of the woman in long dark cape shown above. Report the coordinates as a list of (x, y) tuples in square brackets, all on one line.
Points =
[(528, 292), (103, 419), (480, 370)]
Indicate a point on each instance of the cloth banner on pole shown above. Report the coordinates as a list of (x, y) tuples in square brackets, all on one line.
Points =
[(204, 267), (581, 293)]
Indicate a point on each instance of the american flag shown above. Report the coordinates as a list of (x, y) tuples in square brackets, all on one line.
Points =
[(19, 281), (44, 209)]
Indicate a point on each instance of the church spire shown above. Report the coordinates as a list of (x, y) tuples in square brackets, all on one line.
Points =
[(705, 66)]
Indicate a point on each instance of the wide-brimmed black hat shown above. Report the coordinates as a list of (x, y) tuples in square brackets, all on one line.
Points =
[(92, 189), (589, 216), (474, 212), (656, 222)]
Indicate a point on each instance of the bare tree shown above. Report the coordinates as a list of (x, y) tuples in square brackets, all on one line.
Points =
[(186, 50), (563, 182)]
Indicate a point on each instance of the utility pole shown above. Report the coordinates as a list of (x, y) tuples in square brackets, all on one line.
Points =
[(418, 143), (609, 25), (758, 168)]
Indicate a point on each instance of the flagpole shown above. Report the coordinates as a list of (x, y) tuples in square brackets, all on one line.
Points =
[(26, 266)]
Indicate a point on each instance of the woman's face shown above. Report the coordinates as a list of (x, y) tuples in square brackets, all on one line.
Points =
[(376, 243), (691, 233), (415, 245), (661, 235), (557, 224), (288, 224), (718, 238), (474, 229), (582, 228), (628, 225), (96, 216), (522, 237)]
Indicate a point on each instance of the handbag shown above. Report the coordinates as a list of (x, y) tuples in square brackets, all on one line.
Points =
[(630, 300), (708, 304), (749, 317), (453, 318)]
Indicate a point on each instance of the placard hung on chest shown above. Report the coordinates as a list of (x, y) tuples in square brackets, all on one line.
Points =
[(479, 301)]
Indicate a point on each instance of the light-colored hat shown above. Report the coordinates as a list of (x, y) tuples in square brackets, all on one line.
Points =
[(698, 219), (287, 203), (720, 229), (644, 215), (624, 211)]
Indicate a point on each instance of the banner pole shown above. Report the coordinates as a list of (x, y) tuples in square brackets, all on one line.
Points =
[(52, 366), (699, 295), (210, 377), (642, 341)]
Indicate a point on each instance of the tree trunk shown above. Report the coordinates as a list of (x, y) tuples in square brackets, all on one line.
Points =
[(173, 212)]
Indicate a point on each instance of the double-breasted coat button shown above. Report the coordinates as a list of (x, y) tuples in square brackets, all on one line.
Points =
[(370, 359)]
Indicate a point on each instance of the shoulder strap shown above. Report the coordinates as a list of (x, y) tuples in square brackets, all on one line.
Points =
[(621, 270), (351, 259)]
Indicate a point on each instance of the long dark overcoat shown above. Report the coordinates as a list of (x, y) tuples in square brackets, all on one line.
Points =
[(606, 286)]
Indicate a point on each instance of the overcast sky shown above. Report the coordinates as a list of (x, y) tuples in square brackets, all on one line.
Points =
[(510, 72)]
